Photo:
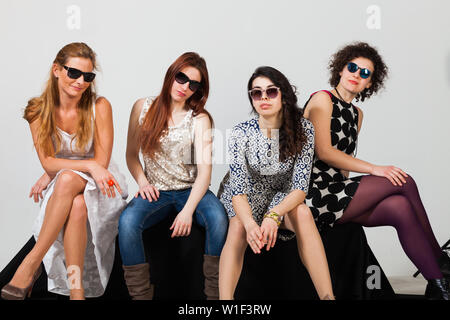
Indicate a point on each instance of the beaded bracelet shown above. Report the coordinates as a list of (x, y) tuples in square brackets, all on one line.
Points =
[(274, 216)]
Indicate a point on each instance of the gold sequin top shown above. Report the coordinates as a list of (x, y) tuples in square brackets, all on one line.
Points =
[(172, 167)]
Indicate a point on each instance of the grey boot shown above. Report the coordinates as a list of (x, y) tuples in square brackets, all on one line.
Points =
[(211, 273), (137, 278)]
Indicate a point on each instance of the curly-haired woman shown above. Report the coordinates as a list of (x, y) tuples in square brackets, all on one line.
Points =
[(265, 188), (387, 196)]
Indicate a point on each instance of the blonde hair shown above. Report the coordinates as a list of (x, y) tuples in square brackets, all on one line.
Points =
[(43, 107)]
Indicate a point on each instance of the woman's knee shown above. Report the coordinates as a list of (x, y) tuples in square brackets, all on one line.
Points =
[(66, 183), (127, 223), (130, 219), (213, 213), (302, 214), (236, 231), (79, 209), (410, 184), (397, 210), (216, 221)]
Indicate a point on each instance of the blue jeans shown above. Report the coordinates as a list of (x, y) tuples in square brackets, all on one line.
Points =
[(141, 214)]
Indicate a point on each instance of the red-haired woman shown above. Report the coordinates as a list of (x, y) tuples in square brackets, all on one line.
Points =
[(170, 130), (387, 196), (77, 224)]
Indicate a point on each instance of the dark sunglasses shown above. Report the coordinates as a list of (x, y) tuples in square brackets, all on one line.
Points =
[(353, 67), (73, 73), (256, 94), (181, 78)]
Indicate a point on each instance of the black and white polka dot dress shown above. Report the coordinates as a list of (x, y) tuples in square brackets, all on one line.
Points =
[(330, 191)]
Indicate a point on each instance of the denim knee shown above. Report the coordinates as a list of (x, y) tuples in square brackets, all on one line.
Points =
[(130, 237), (215, 219), (128, 224)]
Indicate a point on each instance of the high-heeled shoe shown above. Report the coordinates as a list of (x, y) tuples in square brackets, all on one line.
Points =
[(444, 265), (10, 292), (437, 289)]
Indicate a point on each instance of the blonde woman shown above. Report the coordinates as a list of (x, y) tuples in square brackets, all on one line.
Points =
[(76, 227)]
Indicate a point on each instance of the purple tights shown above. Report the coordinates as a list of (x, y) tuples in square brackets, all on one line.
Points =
[(377, 202)]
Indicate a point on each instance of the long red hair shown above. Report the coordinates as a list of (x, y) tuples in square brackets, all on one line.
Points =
[(156, 120)]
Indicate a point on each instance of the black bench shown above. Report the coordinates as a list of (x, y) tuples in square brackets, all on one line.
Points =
[(176, 268)]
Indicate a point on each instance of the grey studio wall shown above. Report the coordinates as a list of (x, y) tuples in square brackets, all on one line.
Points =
[(405, 125)]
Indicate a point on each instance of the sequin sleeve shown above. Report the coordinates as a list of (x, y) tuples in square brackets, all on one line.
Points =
[(303, 162), (237, 145)]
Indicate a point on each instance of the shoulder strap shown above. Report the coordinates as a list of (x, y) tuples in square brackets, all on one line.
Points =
[(144, 110), (193, 129), (306, 103), (329, 93)]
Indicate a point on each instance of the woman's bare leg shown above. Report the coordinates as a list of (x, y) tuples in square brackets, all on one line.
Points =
[(232, 259), (310, 249), (75, 239), (67, 186)]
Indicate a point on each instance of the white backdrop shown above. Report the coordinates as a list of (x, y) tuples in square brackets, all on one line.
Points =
[(405, 125)]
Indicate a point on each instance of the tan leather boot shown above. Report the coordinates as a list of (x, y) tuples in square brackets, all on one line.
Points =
[(137, 278), (211, 273)]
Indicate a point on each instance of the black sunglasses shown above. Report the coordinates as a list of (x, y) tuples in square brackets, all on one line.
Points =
[(73, 73), (256, 94), (181, 78), (353, 67)]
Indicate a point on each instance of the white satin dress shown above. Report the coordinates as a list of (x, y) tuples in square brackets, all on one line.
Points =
[(102, 227)]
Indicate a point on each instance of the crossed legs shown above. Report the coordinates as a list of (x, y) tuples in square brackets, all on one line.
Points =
[(378, 203), (65, 207)]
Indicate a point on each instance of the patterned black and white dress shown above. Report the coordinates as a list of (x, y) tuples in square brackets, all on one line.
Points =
[(255, 170), (330, 191)]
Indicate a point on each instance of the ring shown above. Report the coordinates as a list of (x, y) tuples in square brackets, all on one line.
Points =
[(110, 183)]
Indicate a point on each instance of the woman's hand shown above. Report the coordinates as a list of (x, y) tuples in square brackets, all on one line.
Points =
[(39, 186), (148, 191), (102, 178), (345, 173), (254, 236), (182, 224), (269, 229), (394, 174)]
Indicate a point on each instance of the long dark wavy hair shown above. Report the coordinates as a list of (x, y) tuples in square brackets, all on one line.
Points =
[(291, 135)]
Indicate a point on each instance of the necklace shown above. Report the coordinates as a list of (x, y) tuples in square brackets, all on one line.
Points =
[(340, 97)]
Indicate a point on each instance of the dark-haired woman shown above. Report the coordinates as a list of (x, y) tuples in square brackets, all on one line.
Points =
[(271, 157), (170, 130), (387, 196), (76, 227)]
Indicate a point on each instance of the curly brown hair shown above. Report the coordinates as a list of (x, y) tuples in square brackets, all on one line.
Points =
[(292, 138), (355, 50)]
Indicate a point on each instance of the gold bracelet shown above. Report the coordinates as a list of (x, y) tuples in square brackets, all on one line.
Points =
[(274, 216)]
